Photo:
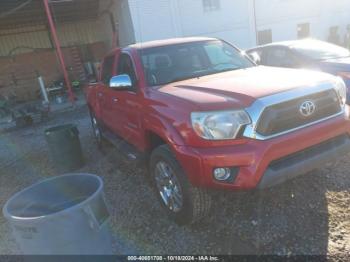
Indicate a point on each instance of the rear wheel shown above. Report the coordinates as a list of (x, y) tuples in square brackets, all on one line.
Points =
[(184, 203)]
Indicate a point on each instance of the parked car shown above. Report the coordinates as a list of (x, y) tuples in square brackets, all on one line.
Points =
[(203, 116), (308, 53)]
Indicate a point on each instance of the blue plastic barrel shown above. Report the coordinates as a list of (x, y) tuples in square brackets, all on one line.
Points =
[(65, 215)]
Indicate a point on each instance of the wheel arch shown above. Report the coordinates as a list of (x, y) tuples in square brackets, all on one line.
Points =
[(158, 131)]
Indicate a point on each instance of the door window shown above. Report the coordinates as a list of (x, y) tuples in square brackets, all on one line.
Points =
[(303, 30), (281, 57), (125, 67), (107, 70), (265, 37), (211, 5)]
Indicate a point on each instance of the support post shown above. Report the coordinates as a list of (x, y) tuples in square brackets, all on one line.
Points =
[(115, 40), (59, 51), (255, 23), (43, 89)]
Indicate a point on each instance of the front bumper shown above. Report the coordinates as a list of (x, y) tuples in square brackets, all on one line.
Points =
[(267, 163), (302, 162)]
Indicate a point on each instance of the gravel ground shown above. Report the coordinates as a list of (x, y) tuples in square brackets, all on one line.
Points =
[(309, 215)]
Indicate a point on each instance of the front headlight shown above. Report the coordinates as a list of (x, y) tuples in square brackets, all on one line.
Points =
[(340, 87), (219, 125)]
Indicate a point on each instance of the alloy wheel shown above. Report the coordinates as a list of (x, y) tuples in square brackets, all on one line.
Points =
[(168, 186)]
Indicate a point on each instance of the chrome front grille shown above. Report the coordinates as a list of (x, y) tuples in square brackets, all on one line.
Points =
[(280, 114), (286, 116)]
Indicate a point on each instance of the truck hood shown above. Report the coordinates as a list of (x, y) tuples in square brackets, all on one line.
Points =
[(239, 89)]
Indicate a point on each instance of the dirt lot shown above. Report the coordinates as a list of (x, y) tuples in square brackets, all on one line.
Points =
[(310, 215)]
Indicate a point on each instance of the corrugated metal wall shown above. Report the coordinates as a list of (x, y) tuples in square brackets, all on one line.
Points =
[(86, 32), (26, 51), (26, 39), (29, 37)]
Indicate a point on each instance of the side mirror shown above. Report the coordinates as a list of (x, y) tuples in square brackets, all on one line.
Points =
[(120, 82), (255, 57)]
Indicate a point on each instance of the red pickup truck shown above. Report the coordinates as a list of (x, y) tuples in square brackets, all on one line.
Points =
[(204, 117)]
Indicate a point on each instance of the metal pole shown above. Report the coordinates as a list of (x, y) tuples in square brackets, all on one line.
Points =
[(114, 31), (59, 51), (255, 23), (43, 89)]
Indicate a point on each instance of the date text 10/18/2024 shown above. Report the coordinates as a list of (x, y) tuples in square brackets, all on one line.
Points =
[(173, 258)]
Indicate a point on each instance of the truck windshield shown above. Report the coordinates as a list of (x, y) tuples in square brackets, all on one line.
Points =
[(167, 64)]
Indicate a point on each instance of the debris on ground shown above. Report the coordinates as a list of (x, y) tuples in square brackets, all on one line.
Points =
[(309, 215)]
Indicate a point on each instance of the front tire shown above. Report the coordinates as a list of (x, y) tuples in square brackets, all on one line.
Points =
[(183, 203)]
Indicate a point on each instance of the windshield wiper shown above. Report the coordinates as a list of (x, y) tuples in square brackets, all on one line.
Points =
[(177, 79), (181, 78)]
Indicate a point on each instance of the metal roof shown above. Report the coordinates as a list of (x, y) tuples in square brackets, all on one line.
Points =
[(15, 14)]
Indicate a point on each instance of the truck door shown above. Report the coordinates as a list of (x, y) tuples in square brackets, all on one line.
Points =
[(107, 96), (129, 104)]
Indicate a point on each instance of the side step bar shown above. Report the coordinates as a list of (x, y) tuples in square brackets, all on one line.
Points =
[(128, 150)]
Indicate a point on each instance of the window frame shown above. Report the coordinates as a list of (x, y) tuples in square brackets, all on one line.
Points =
[(113, 57), (211, 5), (117, 68), (301, 30), (260, 33), (289, 53)]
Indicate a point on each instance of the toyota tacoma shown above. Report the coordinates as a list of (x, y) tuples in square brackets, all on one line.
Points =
[(203, 116)]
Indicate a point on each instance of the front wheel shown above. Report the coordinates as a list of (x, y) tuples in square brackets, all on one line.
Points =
[(184, 203)]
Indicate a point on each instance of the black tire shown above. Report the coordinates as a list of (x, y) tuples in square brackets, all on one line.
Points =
[(196, 202)]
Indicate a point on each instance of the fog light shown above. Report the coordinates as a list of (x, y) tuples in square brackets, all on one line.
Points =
[(222, 174)]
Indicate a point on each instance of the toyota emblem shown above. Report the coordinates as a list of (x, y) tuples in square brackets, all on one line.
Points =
[(307, 108)]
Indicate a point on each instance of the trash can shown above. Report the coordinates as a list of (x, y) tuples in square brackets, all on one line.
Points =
[(64, 147), (62, 215)]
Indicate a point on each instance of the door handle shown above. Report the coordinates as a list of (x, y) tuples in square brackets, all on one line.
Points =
[(100, 94), (115, 100)]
